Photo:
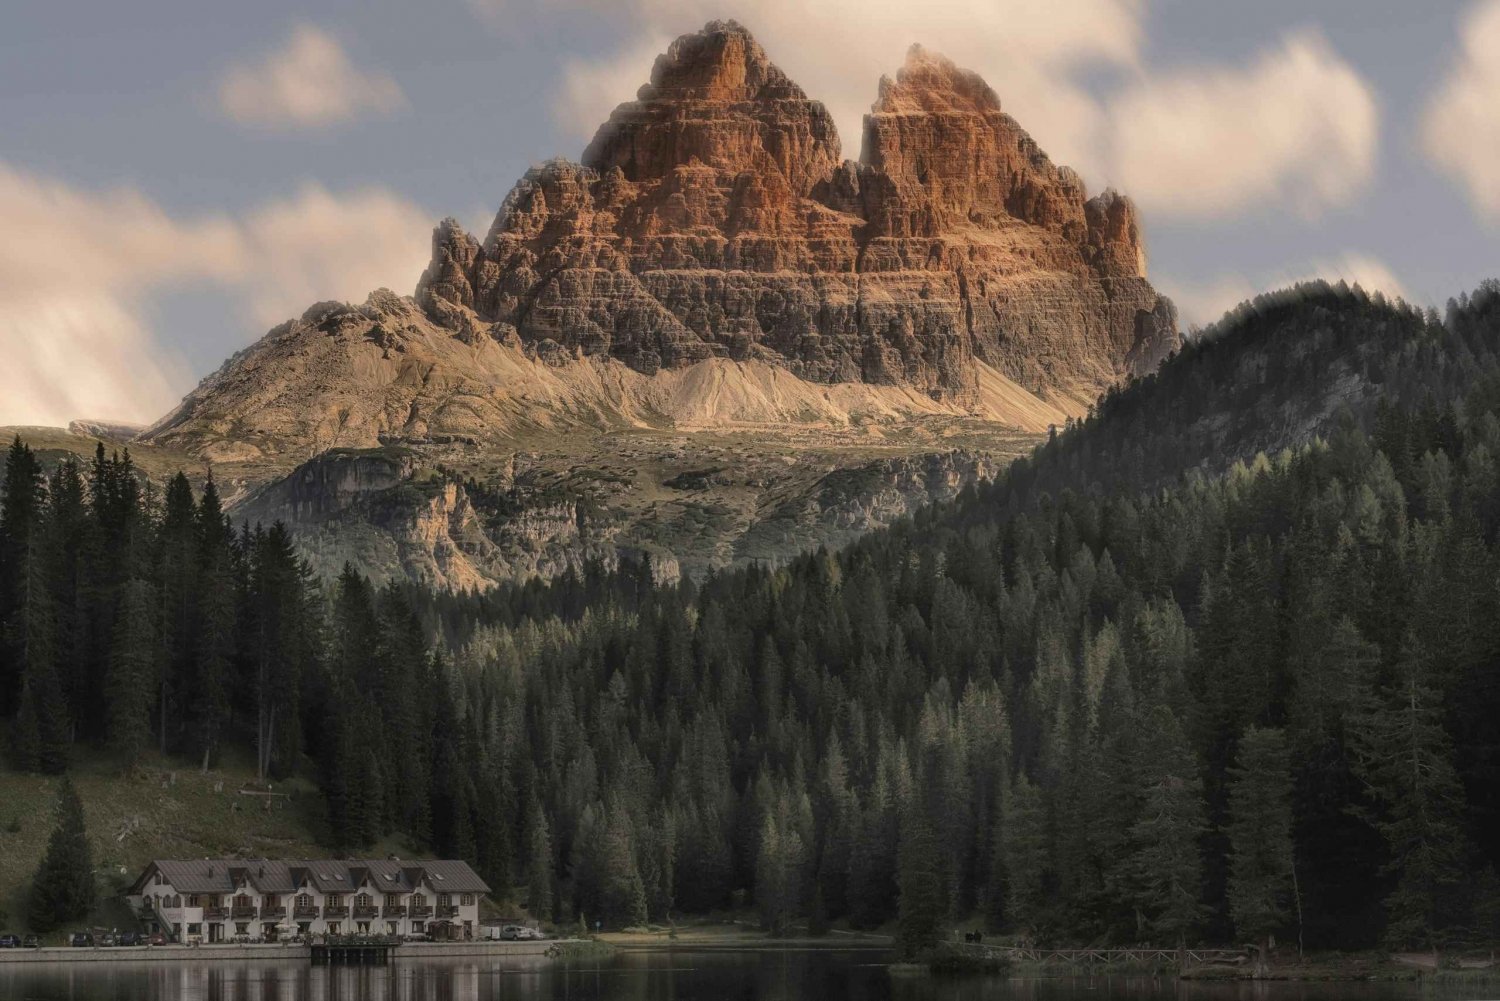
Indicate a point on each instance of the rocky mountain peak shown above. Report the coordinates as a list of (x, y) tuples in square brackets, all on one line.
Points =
[(716, 101), (930, 83)]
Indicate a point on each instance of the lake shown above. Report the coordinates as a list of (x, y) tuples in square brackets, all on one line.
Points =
[(709, 975)]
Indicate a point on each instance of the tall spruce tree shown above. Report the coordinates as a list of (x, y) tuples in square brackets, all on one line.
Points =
[(133, 669), (63, 888), (1261, 866), (1403, 755)]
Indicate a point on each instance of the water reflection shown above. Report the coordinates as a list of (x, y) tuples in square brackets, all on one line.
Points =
[(771, 975)]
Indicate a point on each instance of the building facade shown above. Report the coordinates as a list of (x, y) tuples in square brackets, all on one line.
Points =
[(268, 900)]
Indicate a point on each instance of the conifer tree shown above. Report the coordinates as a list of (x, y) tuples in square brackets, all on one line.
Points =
[(132, 674), (63, 888), (923, 903), (1168, 864), (1260, 837), (538, 864), (1403, 755)]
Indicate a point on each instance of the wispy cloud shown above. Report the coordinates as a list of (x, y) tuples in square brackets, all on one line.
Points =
[(1461, 126), (79, 269), (308, 82), (1296, 128)]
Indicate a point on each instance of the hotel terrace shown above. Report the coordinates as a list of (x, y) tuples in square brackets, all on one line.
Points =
[(221, 900)]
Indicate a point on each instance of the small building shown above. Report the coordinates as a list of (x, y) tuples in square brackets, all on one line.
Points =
[(266, 900)]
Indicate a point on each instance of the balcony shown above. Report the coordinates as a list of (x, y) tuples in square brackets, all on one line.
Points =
[(242, 912), (305, 913), (339, 911), (215, 913), (421, 911), (273, 912), (395, 910), (366, 911), (447, 911)]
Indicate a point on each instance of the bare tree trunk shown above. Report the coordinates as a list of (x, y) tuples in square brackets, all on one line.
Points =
[(1297, 896)]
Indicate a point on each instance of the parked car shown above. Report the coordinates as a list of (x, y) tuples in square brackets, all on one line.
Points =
[(131, 938), (530, 935), (106, 940), (510, 933), (31, 942), (156, 938), (9, 941), (81, 940)]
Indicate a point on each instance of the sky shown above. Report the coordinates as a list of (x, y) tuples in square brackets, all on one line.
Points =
[(179, 176)]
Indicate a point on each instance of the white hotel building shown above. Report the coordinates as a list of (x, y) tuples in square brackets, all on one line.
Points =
[(222, 900)]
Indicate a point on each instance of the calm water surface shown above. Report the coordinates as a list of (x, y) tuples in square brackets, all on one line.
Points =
[(771, 975)]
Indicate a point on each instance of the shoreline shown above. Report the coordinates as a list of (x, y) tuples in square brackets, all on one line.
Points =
[(406, 952)]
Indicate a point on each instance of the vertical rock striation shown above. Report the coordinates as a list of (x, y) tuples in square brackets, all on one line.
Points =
[(713, 216)]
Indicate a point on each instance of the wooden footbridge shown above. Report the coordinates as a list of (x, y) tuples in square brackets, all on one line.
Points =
[(1180, 958)]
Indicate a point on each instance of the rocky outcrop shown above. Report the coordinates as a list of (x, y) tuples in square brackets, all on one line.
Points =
[(712, 217)]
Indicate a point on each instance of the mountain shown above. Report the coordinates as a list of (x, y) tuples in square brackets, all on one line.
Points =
[(692, 343)]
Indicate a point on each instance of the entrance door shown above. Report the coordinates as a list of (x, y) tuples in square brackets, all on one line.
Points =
[(216, 932)]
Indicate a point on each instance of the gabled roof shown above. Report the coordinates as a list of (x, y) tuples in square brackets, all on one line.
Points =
[(323, 875)]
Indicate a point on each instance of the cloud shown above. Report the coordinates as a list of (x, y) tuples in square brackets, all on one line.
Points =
[(1461, 125), (319, 245), (1202, 303), (837, 50), (79, 270), (1298, 126), (307, 83)]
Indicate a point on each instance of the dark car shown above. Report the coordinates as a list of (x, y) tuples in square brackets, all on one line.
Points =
[(131, 938), (81, 940), (156, 938), (31, 942), (8, 941)]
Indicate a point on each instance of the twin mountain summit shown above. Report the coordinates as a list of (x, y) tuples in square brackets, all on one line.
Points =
[(712, 341)]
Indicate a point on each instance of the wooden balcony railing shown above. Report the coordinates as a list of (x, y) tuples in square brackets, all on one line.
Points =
[(273, 912), (308, 911), (366, 911), (240, 912), (395, 910), (421, 911), (339, 911), (215, 913)]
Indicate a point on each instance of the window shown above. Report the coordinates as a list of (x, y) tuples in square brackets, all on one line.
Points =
[(417, 926), (363, 900), (160, 879), (393, 900), (194, 928), (467, 900), (333, 901), (193, 900), (333, 927), (444, 899)]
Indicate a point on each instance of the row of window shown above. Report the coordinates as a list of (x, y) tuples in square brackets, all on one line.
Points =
[(305, 900)]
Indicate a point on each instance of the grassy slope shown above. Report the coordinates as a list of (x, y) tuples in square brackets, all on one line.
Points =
[(166, 809)]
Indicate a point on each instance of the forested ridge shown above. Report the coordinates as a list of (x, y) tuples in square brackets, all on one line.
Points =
[(1133, 691)]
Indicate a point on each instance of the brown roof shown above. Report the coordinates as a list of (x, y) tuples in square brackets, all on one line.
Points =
[(323, 875)]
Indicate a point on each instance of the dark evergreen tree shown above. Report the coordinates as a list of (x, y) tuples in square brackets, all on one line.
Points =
[(63, 888)]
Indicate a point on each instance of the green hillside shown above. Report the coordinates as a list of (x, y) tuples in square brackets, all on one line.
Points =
[(163, 809)]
